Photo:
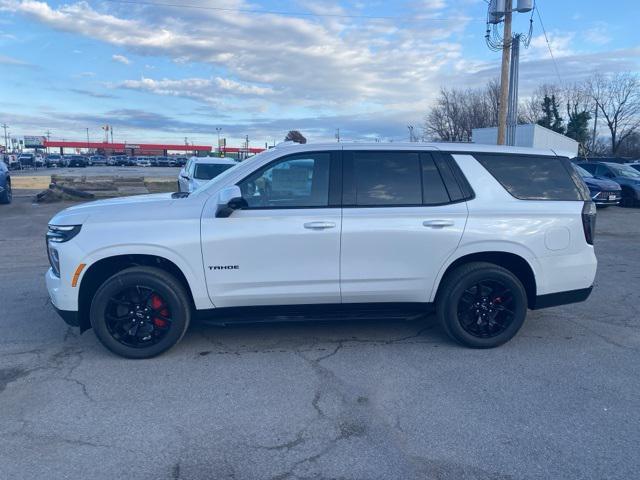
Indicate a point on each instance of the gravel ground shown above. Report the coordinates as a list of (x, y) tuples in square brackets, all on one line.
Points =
[(342, 400)]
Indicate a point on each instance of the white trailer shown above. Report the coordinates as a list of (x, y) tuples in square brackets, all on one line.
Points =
[(531, 135)]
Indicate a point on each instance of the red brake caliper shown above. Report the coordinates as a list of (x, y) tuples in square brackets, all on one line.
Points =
[(158, 305)]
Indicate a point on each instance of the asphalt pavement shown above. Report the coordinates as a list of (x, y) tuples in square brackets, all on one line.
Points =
[(339, 400)]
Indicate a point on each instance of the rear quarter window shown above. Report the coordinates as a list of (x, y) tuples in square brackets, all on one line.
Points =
[(535, 178)]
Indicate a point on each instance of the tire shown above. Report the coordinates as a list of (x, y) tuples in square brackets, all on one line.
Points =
[(628, 198), (460, 289), (108, 309), (7, 195)]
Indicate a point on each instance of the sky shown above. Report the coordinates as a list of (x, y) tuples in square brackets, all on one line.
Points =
[(163, 70)]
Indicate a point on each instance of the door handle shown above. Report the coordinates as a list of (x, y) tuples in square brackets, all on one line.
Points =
[(319, 225), (438, 223)]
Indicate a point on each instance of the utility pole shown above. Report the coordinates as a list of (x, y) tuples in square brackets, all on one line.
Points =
[(504, 75), (88, 139), (338, 134), (218, 130), (5, 126), (502, 11)]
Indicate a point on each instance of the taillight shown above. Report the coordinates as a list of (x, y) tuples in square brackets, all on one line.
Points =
[(589, 221)]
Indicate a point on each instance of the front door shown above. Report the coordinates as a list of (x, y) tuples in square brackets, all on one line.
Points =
[(284, 249)]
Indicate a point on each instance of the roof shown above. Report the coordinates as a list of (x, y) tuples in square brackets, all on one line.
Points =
[(426, 146)]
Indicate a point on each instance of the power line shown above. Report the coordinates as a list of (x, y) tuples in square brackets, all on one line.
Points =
[(288, 13), (555, 64)]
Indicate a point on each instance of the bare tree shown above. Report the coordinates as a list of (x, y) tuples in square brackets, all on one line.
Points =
[(457, 112), (617, 99)]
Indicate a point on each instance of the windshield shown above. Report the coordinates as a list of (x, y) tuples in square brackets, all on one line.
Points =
[(582, 172), (207, 171), (625, 171), (54, 157)]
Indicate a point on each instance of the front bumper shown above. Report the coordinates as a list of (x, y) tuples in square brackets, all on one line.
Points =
[(607, 198), (63, 297), (70, 318)]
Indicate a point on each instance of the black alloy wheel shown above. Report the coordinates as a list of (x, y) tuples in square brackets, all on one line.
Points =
[(140, 312), (481, 305), (138, 317), (485, 309), (7, 195)]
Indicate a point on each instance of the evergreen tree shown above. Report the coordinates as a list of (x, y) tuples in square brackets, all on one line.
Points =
[(551, 116)]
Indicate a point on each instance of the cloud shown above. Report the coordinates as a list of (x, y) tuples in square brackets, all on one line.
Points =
[(121, 59), (210, 91), (92, 94), (338, 63), (16, 62)]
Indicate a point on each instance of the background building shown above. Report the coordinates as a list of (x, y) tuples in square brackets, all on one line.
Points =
[(530, 135)]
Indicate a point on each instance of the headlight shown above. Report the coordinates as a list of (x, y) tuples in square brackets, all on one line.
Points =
[(61, 234)]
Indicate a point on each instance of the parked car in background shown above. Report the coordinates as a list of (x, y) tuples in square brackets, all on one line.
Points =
[(143, 162), (77, 161), (27, 160), (54, 160), (199, 171), (13, 163), (6, 195), (98, 160), (603, 192), (627, 177), (162, 161), (39, 160), (181, 161)]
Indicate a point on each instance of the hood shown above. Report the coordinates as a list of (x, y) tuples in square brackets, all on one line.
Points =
[(122, 206), (600, 183)]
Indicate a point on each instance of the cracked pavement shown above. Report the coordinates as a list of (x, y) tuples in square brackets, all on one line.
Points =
[(325, 400)]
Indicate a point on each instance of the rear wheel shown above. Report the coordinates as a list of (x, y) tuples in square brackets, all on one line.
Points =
[(140, 312), (7, 195), (481, 305)]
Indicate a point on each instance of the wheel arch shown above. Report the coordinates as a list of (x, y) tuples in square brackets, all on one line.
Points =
[(513, 262), (102, 269)]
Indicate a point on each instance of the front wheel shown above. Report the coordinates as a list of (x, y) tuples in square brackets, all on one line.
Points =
[(481, 305), (140, 312), (7, 195)]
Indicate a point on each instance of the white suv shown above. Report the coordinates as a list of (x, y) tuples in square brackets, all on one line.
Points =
[(481, 234)]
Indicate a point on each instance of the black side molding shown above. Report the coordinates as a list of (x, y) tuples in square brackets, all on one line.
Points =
[(70, 318), (561, 298)]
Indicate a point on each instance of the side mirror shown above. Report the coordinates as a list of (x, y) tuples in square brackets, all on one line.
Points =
[(229, 200), (186, 177)]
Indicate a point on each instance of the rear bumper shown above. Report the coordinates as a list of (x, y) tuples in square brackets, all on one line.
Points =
[(561, 298)]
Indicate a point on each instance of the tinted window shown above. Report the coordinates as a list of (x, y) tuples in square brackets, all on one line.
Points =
[(589, 167), (206, 171), (533, 178), (387, 178), (433, 189), (297, 181), (625, 171)]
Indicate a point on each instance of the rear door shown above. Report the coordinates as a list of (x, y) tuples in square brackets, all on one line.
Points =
[(403, 216)]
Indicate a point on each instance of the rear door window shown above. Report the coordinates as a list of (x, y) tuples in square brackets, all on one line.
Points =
[(528, 177), (386, 179)]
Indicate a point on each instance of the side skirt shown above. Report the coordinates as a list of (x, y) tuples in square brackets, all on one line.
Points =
[(315, 312)]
